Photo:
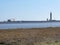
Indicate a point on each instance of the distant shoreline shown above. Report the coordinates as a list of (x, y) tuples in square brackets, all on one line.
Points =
[(31, 28), (5, 22)]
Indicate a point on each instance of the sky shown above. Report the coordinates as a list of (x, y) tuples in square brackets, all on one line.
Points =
[(35, 10)]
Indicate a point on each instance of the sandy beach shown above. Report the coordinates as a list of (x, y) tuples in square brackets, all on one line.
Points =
[(34, 36)]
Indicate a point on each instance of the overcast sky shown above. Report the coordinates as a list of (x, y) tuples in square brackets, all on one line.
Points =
[(29, 9)]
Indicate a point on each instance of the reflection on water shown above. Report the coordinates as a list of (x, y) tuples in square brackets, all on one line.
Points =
[(30, 25)]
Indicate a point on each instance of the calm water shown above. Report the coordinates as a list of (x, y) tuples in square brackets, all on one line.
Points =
[(30, 25)]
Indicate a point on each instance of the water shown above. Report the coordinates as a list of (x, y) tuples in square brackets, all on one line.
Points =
[(30, 25)]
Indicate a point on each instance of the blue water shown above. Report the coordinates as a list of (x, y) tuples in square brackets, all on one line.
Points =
[(30, 25)]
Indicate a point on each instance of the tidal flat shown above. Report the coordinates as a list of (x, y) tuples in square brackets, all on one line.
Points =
[(33, 36)]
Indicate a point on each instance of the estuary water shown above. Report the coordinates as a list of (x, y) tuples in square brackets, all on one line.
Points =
[(29, 25)]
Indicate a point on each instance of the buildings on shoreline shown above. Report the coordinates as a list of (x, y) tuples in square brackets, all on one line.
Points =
[(13, 20)]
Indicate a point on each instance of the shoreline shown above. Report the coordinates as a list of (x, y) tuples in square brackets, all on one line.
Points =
[(13, 22), (29, 28)]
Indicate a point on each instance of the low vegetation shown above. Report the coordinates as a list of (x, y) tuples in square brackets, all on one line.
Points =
[(35, 36)]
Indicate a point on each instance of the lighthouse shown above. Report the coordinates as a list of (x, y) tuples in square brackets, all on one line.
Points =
[(50, 16)]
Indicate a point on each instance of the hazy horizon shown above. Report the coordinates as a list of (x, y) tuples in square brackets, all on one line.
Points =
[(29, 9)]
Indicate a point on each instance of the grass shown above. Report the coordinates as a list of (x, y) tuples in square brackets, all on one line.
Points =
[(35, 36), (41, 43)]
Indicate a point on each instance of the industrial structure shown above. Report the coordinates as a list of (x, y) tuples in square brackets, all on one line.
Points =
[(50, 16), (13, 20)]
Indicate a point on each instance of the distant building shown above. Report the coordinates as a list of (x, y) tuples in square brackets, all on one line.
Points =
[(9, 20), (47, 19), (50, 16), (12, 19)]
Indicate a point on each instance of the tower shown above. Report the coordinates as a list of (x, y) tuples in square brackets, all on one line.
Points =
[(50, 16)]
